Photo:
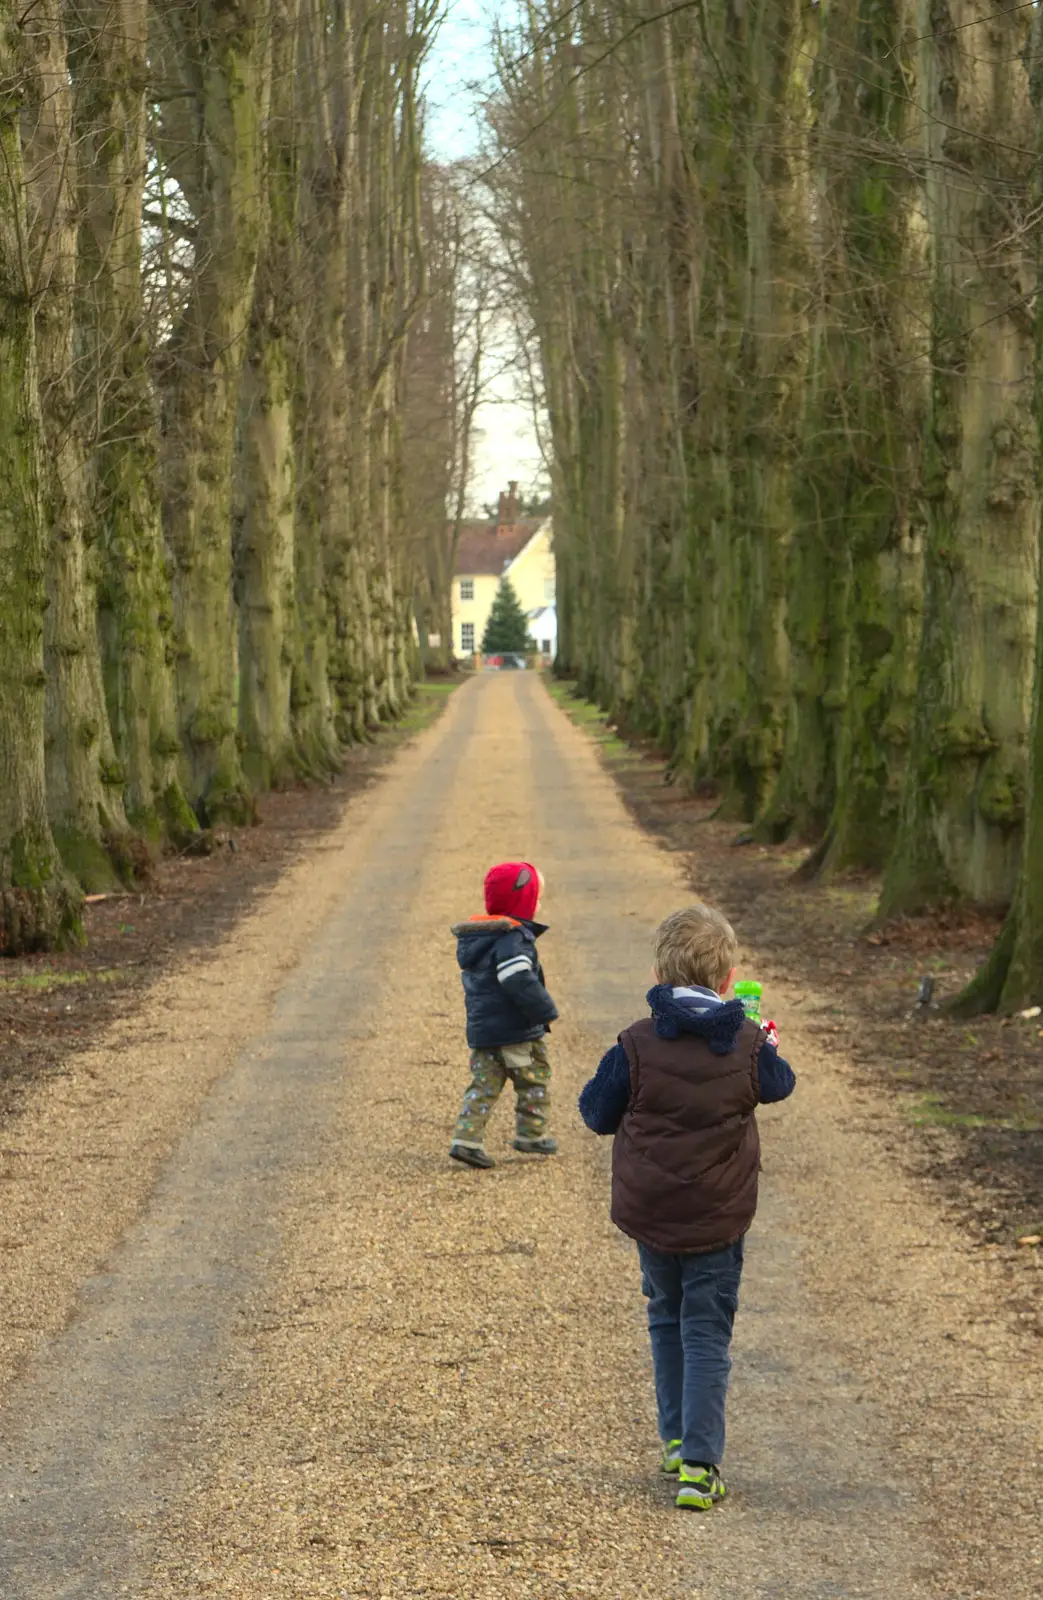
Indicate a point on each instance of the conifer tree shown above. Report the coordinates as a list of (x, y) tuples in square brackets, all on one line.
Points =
[(507, 627)]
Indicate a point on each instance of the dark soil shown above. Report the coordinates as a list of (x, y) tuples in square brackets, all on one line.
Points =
[(52, 1005), (973, 1091)]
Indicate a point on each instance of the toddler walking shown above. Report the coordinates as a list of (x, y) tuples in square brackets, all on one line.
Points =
[(508, 1011), (679, 1092)]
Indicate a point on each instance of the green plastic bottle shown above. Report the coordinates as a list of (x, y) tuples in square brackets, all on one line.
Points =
[(749, 992)]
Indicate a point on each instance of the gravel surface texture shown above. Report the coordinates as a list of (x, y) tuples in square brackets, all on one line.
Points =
[(262, 1338)]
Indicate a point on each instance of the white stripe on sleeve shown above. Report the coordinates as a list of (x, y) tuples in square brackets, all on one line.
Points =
[(507, 969)]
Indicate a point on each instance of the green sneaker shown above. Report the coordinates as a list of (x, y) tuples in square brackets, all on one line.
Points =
[(672, 1456), (699, 1488)]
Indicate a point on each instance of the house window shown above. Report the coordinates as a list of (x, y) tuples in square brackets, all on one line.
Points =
[(467, 637), (545, 646), (466, 588)]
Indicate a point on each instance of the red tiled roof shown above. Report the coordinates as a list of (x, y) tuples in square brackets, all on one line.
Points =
[(486, 549)]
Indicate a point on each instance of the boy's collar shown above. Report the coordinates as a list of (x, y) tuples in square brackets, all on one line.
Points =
[(696, 991)]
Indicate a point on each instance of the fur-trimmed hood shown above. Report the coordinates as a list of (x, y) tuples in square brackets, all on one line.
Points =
[(476, 937)]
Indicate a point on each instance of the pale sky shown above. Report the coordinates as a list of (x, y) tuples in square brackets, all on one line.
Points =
[(459, 73)]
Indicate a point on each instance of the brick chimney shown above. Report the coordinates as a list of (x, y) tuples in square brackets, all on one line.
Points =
[(512, 503), (501, 515)]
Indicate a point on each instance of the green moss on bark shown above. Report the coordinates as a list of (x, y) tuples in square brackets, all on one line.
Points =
[(221, 55), (109, 77), (39, 903), (89, 861), (957, 833), (176, 815)]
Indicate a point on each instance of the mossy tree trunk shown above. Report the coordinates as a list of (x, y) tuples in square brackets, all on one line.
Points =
[(774, 63), (959, 834), (673, 441), (266, 493), (714, 751), (865, 418), (108, 62), (320, 487), (354, 596), (816, 575), (217, 58), (329, 539), (39, 905), (311, 698), (84, 780), (1012, 977)]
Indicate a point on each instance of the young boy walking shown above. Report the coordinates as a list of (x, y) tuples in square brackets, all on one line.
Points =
[(679, 1092), (508, 1012)]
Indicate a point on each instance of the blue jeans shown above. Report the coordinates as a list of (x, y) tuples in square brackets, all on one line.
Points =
[(692, 1301)]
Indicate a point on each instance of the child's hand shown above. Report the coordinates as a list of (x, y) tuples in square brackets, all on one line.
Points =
[(772, 1034)]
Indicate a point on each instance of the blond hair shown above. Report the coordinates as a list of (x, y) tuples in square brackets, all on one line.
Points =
[(695, 946)]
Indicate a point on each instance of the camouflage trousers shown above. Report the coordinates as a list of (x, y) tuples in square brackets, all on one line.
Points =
[(528, 1068)]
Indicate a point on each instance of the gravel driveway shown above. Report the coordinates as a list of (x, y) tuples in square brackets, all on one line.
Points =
[(261, 1338)]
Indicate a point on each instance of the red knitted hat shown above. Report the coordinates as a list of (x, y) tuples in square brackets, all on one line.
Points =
[(512, 890)]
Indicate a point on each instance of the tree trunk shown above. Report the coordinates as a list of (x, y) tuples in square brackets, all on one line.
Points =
[(775, 70), (311, 700), (358, 603), (265, 557), (1012, 978), (713, 576), (329, 547), (964, 799), (222, 54), (863, 450), (108, 59), (84, 780), (436, 383), (319, 463), (39, 906), (268, 645), (668, 563), (458, 348)]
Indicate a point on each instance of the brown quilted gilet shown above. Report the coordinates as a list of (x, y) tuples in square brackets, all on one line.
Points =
[(687, 1154)]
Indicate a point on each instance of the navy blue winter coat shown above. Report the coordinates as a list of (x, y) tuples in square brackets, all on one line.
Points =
[(507, 1001)]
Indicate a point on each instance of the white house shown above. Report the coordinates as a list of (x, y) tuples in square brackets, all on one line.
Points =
[(519, 548)]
